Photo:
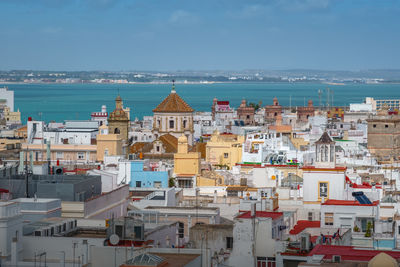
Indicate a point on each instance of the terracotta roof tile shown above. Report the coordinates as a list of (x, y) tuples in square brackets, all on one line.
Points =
[(261, 214), (301, 225), (325, 139), (170, 142), (173, 103)]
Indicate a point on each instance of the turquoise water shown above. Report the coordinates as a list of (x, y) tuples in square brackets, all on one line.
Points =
[(76, 101)]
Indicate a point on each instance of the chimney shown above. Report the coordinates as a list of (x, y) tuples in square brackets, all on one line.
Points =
[(253, 210), (14, 252)]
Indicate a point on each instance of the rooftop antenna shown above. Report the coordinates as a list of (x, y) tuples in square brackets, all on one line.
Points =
[(320, 95), (173, 86), (327, 98)]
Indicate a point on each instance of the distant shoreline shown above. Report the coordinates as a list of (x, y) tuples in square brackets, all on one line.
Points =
[(205, 83)]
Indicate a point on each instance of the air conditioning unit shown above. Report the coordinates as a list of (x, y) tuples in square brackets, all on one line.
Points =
[(336, 258), (58, 170)]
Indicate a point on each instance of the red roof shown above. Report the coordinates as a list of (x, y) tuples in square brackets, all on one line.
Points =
[(304, 224), (350, 253), (348, 203), (337, 168), (262, 214), (364, 185)]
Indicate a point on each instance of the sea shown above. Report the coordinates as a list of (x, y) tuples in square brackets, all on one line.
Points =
[(59, 102)]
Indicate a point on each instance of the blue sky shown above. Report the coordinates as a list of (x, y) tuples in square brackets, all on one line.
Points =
[(199, 35)]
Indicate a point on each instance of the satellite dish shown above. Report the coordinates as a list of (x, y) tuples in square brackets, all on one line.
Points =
[(114, 239)]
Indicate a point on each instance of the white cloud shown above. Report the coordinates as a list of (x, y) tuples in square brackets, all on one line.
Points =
[(304, 5), (182, 16)]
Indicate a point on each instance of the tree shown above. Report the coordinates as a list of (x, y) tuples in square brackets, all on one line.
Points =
[(255, 106)]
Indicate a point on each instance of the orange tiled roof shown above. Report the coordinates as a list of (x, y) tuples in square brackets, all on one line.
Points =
[(173, 103), (170, 143)]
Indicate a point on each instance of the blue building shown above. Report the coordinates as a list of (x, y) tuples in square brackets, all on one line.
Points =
[(141, 178)]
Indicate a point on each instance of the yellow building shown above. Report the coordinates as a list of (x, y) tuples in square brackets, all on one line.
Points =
[(10, 143), (185, 162), (210, 178), (224, 149), (118, 122), (12, 117), (298, 141), (108, 144)]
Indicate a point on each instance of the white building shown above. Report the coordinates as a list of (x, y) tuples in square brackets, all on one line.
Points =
[(269, 147), (255, 235), (6, 98), (324, 180), (10, 230), (71, 132), (101, 117)]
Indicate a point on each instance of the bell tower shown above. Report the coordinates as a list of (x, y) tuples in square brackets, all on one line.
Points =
[(325, 152)]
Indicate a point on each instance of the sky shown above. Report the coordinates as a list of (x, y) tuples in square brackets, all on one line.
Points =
[(170, 35)]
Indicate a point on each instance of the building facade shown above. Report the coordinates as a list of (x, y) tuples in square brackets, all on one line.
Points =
[(245, 113), (173, 116)]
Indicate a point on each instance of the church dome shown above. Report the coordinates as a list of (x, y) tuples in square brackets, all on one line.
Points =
[(118, 114), (382, 260)]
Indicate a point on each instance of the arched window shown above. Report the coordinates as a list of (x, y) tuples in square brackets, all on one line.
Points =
[(326, 153), (321, 155), (116, 131)]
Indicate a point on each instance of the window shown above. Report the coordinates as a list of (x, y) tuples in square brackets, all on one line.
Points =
[(119, 230), (181, 230), (226, 155), (138, 184), (106, 152), (323, 189), (310, 216), (231, 193), (266, 262), (157, 184), (117, 131), (60, 155), (81, 155), (386, 126), (138, 232), (229, 242), (171, 124), (158, 148), (248, 117), (184, 124), (374, 125), (328, 218)]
